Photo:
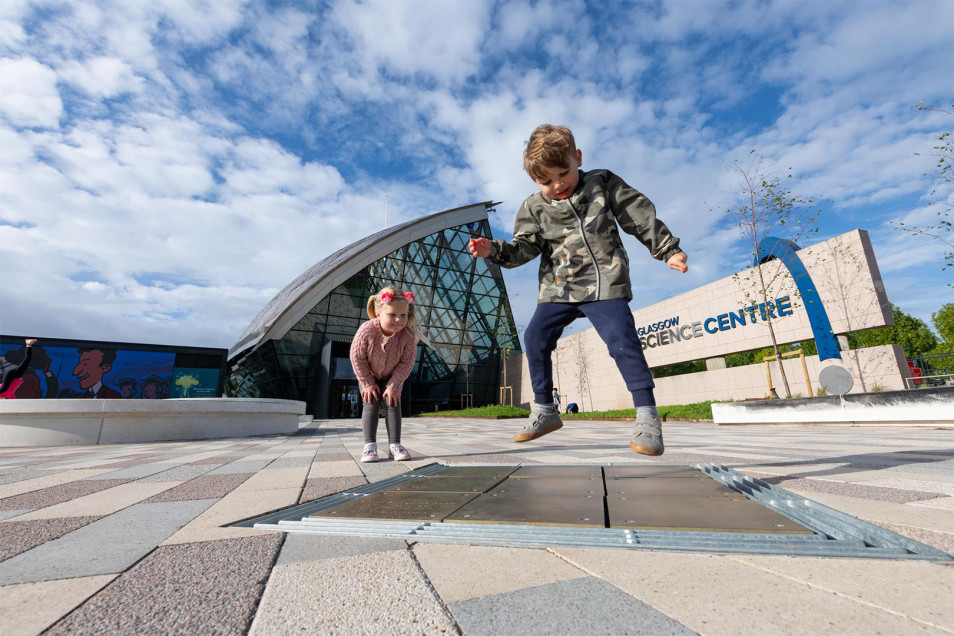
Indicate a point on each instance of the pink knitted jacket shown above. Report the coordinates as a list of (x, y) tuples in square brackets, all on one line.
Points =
[(374, 359)]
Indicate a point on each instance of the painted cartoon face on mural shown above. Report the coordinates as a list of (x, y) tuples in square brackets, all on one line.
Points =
[(91, 368)]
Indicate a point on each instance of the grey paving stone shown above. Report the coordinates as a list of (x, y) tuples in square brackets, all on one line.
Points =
[(338, 456), (218, 460), (109, 545), (290, 462), (21, 474), (20, 536), (579, 606), (57, 494), (179, 473), (241, 466), (134, 472), (211, 587), (6, 514), (299, 548)]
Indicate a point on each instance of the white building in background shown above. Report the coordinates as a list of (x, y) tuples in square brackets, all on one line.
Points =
[(824, 292)]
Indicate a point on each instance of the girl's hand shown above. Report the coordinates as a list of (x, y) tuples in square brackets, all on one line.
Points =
[(391, 398), (678, 262), (479, 247), (370, 394)]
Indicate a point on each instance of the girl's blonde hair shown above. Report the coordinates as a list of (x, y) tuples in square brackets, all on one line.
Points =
[(390, 295)]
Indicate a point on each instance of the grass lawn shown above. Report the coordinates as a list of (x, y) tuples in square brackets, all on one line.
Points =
[(698, 411)]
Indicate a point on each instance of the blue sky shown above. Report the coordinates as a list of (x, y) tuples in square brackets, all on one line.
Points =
[(167, 167)]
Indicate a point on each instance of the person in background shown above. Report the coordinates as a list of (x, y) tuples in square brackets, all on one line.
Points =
[(13, 378)]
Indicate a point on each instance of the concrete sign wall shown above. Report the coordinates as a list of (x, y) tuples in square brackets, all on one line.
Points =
[(728, 316)]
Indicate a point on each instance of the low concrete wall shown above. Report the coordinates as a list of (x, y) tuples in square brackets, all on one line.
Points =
[(89, 422), (589, 377), (919, 407)]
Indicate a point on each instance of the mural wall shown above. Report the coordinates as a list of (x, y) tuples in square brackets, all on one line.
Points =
[(78, 369)]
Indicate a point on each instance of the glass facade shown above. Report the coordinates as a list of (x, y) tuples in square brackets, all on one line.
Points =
[(462, 307)]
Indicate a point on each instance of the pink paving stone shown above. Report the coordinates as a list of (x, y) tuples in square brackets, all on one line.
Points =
[(58, 494), (212, 587), (848, 489), (20, 536), (324, 486), (203, 487)]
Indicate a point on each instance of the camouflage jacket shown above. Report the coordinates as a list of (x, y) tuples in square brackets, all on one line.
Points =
[(582, 257)]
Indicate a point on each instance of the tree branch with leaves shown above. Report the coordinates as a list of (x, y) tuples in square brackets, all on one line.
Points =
[(943, 230), (764, 207)]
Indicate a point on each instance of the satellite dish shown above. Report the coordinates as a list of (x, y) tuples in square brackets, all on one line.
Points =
[(836, 380)]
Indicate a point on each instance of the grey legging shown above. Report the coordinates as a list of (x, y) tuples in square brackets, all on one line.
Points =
[(369, 417)]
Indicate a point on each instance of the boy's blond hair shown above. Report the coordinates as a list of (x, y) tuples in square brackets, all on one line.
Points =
[(549, 147)]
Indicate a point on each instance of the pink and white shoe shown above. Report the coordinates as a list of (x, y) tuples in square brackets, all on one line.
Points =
[(370, 453), (398, 453)]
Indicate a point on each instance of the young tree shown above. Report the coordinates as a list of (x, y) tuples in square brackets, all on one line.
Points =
[(764, 208), (911, 333), (943, 231), (943, 320)]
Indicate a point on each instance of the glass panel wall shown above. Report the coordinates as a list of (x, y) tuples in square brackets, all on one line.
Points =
[(461, 305)]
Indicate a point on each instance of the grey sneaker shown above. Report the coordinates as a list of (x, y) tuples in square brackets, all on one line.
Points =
[(647, 436), (539, 425)]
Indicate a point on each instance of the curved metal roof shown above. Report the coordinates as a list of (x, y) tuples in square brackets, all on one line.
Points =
[(294, 301)]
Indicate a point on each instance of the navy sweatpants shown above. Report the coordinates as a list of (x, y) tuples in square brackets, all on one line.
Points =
[(613, 322)]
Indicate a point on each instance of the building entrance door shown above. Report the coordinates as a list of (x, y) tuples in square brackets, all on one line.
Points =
[(345, 399)]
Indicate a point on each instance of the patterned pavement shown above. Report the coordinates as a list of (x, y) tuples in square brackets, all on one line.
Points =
[(135, 539)]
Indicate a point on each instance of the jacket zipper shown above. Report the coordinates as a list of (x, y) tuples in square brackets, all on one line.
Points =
[(586, 244)]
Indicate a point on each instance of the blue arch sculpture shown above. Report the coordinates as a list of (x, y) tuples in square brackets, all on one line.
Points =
[(785, 250)]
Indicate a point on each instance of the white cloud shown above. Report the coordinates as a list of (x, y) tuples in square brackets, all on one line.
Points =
[(28, 93), (104, 77), (437, 39), (203, 154)]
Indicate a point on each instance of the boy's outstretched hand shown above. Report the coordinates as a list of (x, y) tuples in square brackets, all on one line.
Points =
[(676, 262), (480, 247)]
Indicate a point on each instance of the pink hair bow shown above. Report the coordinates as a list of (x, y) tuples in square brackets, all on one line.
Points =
[(386, 298), (409, 297)]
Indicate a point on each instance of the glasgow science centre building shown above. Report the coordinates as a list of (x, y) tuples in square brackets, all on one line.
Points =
[(298, 346)]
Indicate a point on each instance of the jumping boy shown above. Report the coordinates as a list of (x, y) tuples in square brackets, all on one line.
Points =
[(573, 223)]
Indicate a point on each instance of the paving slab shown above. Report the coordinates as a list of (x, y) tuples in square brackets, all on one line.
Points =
[(57, 494), (204, 487), (237, 506), (29, 608), (463, 572), (159, 594), (276, 479), (322, 487), (919, 590), (715, 594), (48, 481), (346, 468), (579, 606), (19, 536), (299, 548), (106, 546), (101, 503), (241, 466), (384, 593)]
